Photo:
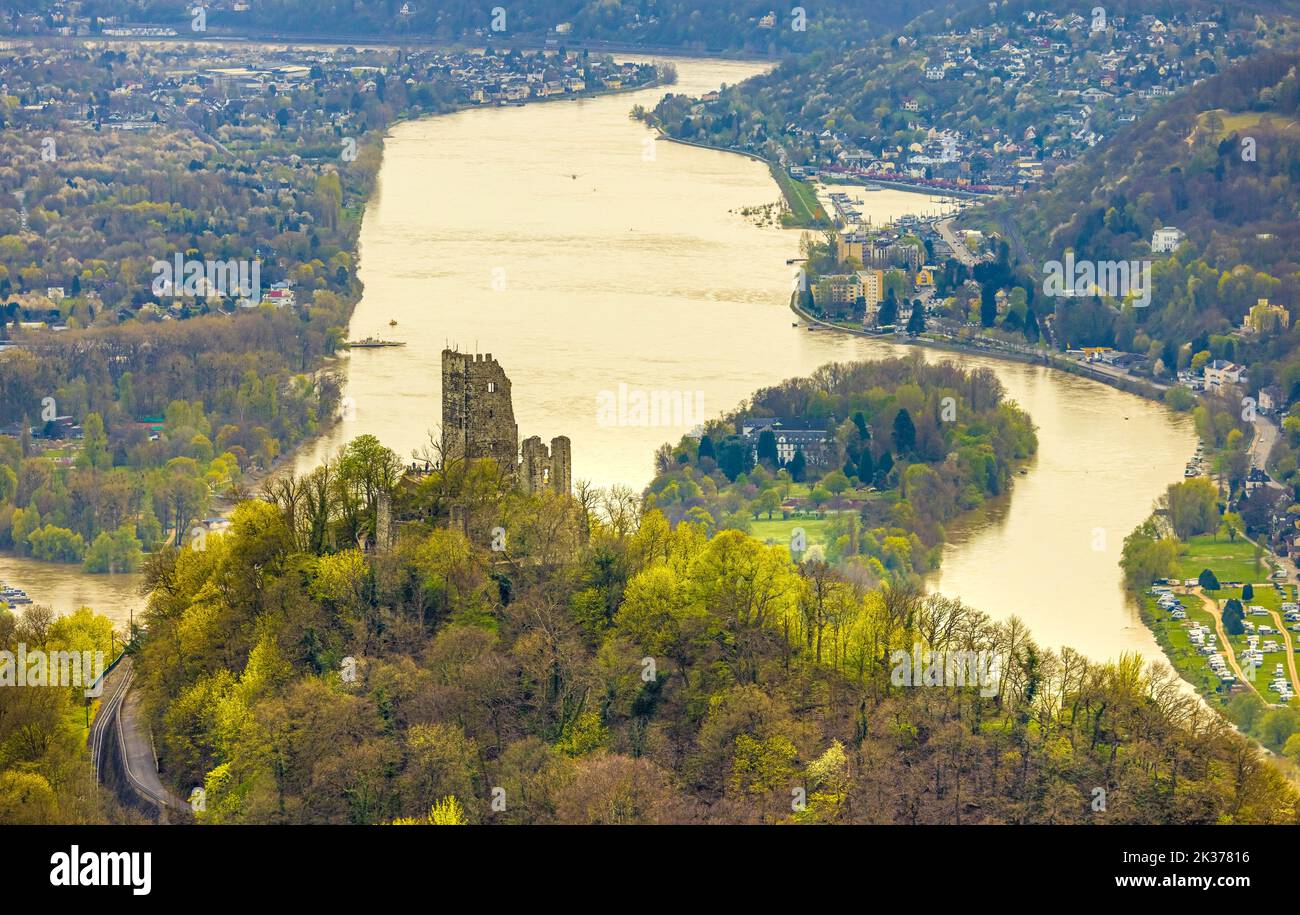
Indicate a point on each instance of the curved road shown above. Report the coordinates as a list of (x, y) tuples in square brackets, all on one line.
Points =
[(117, 730)]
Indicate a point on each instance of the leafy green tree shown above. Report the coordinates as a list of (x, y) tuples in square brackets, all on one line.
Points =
[(767, 453), (1234, 618), (1208, 581), (769, 501), (1192, 506), (836, 482), (735, 456), (94, 444), (1146, 556)]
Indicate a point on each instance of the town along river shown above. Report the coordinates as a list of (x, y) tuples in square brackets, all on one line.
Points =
[(640, 271)]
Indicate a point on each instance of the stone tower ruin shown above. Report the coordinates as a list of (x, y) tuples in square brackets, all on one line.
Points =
[(478, 421), (546, 468)]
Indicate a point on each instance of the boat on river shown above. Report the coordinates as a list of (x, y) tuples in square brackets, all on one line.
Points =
[(14, 597), (373, 343)]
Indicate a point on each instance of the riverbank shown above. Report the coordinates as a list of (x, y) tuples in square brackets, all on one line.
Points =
[(214, 36), (993, 350), (1150, 390), (803, 204)]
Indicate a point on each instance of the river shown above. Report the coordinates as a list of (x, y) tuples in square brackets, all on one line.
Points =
[(640, 271)]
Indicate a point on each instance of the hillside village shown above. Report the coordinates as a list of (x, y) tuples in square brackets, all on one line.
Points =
[(908, 108), (283, 138)]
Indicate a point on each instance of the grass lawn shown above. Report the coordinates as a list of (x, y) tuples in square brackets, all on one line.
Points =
[(805, 210), (1237, 121), (803, 490), (778, 531), (1172, 636), (1229, 560)]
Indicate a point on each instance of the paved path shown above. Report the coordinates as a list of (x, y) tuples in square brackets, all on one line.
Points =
[(118, 728), (1261, 446), (958, 246)]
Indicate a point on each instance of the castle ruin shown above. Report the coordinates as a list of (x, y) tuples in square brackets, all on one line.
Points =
[(478, 421)]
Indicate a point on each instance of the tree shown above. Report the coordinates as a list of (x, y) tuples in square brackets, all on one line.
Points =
[(888, 313), (1192, 506), (1291, 749), (706, 448), (1233, 618), (735, 457), (770, 502), (904, 432), (446, 812), (798, 464), (836, 482), (866, 467), (1248, 592), (1208, 581), (767, 448), (916, 323), (988, 306), (884, 467), (1031, 329), (94, 444), (1232, 524), (1147, 556)]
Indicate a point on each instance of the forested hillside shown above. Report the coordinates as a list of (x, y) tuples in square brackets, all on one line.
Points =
[(1221, 164), (712, 25), (911, 446), (604, 666), (989, 75)]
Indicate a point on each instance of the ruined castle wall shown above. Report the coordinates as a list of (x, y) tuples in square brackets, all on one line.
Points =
[(478, 421), (561, 464), (478, 417)]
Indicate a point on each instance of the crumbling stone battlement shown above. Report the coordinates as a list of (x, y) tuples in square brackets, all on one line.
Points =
[(478, 421)]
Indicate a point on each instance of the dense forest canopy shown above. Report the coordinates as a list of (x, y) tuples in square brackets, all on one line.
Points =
[(912, 444), (609, 666), (711, 25)]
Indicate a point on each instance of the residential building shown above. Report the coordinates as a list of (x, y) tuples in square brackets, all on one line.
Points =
[(1220, 372), (1166, 240), (873, 286), (1263, 319), (839, 289), (791, 435), (1271, 399)]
